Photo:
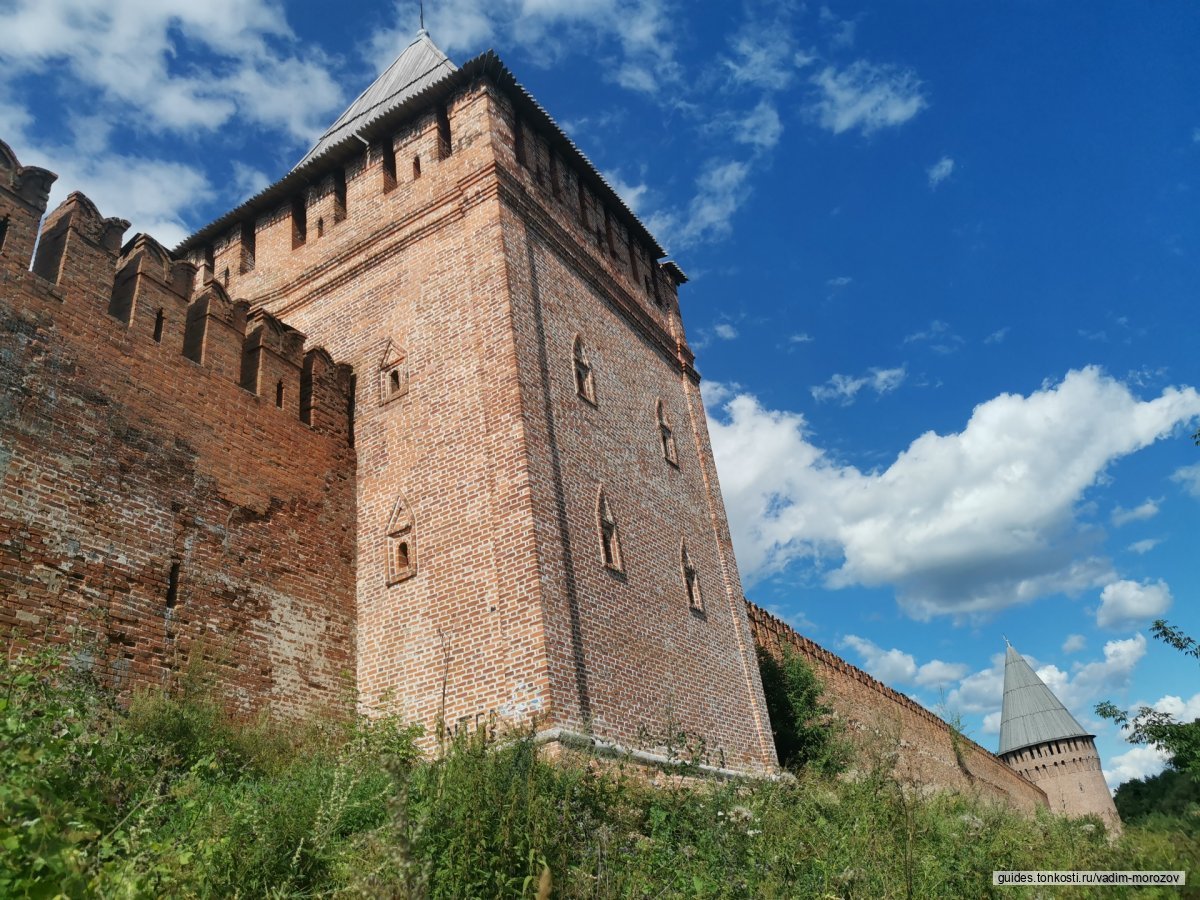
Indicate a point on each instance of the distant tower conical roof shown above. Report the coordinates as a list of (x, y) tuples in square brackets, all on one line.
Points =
[(1031, 714), (420, 65)]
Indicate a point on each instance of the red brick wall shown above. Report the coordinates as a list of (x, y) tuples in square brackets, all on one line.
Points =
[(924, 744), (510, 611), (121, 459), (1069, 771)]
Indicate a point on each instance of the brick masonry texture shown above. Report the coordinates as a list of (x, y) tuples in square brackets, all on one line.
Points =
[(453, 522), (925, 745), (1068, 771), (151, 508)]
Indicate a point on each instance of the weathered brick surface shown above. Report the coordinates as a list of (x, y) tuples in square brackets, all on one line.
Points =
[(929, 754), (147, 501), (479, 274), (1069, 772)]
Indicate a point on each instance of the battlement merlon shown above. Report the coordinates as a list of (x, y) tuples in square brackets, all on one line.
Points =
[(24, 192)]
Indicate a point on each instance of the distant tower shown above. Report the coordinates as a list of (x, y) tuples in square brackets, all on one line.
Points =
[(1044, 742)]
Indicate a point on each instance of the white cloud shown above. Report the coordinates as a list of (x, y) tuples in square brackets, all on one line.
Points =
[(725, 331), (634, 195), (866, 97), (1145, 546), (939, 336), (721, 190), (761, 127), (991, 722), (1140, 762), (1189, 477), (897, 667), (761, 56), (1128, 603), (1141, 512), (940, 171), (840, 281), (960, 524), (248, 181), (131, 53), (845, 388), (638, 30), (1183, 710), (1074, 643), (801, 337), (998, 336)]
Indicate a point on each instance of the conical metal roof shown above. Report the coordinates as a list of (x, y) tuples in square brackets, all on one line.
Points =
[(1031, 714), (420, 65)]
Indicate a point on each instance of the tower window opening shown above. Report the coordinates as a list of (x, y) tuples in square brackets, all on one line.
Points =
[(210, 262), (658, 300), (249, 236), (519, 141), (691, 580), (3, 230), (299, 222), (416, 167), (666, 436), (173, 585), (339, 195), (445, 145), (279, 395), (610, 538), (401, 562), (389, 165), (585, 385), (160, 319)]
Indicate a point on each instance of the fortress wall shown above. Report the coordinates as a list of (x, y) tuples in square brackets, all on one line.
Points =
[(924, 743), (174, 473)]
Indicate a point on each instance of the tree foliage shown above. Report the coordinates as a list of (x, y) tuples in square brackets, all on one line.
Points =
[(1180, 740), (805, 732)]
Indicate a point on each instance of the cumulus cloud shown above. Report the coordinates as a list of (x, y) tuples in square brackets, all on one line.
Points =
[(897, 667), (961, 524), (1145, 546), (725, 331), (939, 171), (845, 388), (133, 54), (1141, 512), (1128, 603), (1140, 762), (1074, 643), (1189, 478), (866, 97)]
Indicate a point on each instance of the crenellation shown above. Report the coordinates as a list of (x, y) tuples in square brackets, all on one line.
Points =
[(272, 362), (215, 331), (24, 193), (78, 248)]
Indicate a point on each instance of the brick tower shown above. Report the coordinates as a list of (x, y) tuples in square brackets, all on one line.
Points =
[(1044, 742), (540, 533)]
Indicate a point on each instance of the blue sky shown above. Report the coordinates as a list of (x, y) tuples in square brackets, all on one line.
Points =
[(944, 263)]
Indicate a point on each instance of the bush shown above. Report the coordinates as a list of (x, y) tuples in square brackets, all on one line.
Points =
[(172, 798)]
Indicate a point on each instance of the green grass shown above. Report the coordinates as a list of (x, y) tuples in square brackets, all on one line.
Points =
[(172, 798)]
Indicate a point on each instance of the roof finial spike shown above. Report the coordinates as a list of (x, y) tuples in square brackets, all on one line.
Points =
[(422, 5), (1006, 640)]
